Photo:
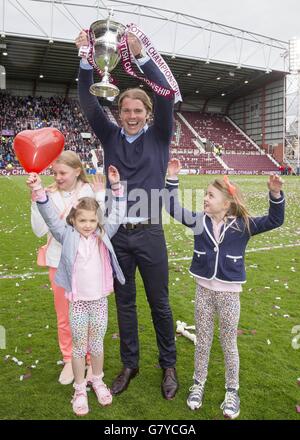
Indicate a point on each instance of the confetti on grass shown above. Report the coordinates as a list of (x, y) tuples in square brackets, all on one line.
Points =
[(25, 376)]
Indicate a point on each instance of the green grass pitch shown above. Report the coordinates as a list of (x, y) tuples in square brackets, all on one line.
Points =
[(270, 311)]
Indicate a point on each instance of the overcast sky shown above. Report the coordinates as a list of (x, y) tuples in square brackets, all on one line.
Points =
[(275, 18)]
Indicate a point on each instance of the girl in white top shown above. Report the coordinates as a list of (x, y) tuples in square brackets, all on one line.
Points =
[(70, 184)]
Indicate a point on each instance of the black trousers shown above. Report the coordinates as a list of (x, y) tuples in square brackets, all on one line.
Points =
[(146, 249)]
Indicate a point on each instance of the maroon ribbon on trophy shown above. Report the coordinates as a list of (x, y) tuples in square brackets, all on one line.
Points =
[(89, 51), (126, 59)]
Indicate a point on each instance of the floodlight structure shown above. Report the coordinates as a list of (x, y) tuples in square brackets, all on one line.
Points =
[(294, 67)]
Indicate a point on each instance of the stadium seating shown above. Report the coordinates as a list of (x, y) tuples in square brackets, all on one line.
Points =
[(28, 113), (249, 162), (21, 113), (220, 131)]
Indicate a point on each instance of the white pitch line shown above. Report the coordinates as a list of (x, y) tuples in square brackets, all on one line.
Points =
[(30, 274), (22, 275), (250, 250)]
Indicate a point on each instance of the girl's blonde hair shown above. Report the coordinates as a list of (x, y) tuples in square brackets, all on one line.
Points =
[(72, 160), (233, 194), (137, 94), (87, 204)]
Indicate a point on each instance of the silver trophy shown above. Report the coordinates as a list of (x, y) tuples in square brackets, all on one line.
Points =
[(106, 35)]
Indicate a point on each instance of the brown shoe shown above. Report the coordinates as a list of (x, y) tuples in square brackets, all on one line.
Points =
[(121, 382), (169, 384)]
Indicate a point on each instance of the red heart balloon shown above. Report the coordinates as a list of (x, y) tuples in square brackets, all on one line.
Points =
[(37, 149)]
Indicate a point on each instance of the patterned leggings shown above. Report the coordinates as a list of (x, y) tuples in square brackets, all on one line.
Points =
[(226, 305), (88, 322)]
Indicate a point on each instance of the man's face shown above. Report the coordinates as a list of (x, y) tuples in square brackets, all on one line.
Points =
[(133, 115)]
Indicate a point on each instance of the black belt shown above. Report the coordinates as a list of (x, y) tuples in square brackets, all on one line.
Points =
[(132, 226)]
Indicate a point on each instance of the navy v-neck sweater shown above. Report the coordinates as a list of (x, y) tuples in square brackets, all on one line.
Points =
[(142, 163)]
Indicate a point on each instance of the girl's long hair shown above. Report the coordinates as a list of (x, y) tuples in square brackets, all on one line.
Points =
[(233, 194), (87, 204), (72, 160)]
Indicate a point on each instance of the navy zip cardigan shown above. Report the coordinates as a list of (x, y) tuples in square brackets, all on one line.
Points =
[(222, 260)]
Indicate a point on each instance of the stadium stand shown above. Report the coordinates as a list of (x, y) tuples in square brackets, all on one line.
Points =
[(28, 113), (220, 131), (249, 162), (237, 152), (217, 133)]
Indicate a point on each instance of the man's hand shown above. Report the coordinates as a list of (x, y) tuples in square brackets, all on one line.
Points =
[(134, 45), (174, 166), (113, 176), (82, 39)]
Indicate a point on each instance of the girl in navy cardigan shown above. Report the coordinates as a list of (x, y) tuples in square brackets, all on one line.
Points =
[(221, 234)]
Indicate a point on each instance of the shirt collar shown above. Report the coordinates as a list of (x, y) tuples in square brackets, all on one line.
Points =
[(135, 136)]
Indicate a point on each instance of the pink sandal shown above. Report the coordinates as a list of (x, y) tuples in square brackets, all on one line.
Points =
[(79, 401), (102, 392)]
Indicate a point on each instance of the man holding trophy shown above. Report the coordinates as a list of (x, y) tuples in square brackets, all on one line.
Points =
[(140, 151)]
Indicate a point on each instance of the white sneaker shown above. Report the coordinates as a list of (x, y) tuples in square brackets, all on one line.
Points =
[(66, 376), (194, 401), (231, 404)]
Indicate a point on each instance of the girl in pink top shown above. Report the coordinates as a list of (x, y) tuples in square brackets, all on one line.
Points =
[(85, 272), (70, 184)]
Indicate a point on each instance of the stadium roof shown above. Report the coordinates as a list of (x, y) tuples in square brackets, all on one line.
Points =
[(29, 58), (39, 41)]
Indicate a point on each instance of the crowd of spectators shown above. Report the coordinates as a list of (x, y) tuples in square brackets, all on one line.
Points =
[(7, 155), (28, 113)]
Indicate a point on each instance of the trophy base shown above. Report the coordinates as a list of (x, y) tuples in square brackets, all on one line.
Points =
[(104, 90)]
